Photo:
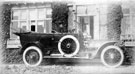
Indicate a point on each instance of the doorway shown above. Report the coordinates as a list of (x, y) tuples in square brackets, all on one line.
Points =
[(87, 25)]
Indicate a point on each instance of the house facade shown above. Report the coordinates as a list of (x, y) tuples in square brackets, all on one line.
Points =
[(26, 17), (31, 17), (95, 19), (128, 21), (91, 19)]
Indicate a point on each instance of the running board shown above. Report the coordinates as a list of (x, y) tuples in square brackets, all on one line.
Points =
[(61, 56)]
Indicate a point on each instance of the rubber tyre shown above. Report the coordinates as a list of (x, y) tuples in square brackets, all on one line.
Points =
[(77, 46), (109, 48), (39, 53)]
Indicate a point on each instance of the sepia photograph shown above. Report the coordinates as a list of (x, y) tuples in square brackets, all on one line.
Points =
[(67, 37)]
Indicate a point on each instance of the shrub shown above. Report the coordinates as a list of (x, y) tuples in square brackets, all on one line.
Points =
[(12, 56), (5, 19), (60, 17), (5, 23), (114, 21)]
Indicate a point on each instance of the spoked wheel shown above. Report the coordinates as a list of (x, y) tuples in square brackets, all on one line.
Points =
[(68, 46), (112, 56), (32, 56)]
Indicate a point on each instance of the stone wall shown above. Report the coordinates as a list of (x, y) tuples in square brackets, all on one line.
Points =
[(103, 21), (70, 19)]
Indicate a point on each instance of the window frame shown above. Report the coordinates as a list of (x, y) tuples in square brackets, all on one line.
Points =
[(28, 20)]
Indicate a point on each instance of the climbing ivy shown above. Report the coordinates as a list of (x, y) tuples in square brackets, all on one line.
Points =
[(60, 17), (6, 19), (114, 17)]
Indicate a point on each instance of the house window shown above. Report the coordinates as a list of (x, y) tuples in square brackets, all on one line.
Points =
[(133, 24), (41, 13), (126, 10), (126, 21), (33, 28), (14, 23), (87, 25), (23, 15), (15, 15), (13, 28), (40, 27), (31, 19), (32, 14), (49, 26), (33, 25), (48, 13), (81, 9), (23, 25)]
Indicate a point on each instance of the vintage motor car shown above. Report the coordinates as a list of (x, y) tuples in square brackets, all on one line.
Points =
[(36, 46)]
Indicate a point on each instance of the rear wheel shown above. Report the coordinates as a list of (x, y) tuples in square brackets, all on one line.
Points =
[(112, 56), (32, 56), (68, 46)]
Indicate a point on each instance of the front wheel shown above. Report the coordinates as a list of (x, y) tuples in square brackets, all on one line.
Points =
[(32, 56), (112, 56)]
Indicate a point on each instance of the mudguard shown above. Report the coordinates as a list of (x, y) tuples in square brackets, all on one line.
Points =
[(96, 46), (38, 44)]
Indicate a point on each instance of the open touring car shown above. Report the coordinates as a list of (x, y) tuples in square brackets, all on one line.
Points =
[(36, 46)]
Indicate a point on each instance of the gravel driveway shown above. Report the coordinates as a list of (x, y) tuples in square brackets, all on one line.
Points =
[(84, 67)]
